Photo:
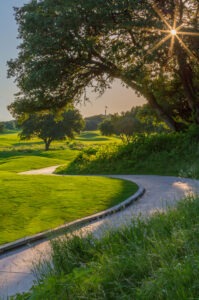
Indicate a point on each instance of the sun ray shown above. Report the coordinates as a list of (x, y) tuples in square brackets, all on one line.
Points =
[(161, 15), (175, 18), (173, 32), (188, 33), (152, 29), (179, 27), (171, 46), (191, 54), (160, 43)]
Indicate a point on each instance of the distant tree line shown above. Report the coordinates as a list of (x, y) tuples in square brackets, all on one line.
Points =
[(140, 119), (92, 123), (8, 125)]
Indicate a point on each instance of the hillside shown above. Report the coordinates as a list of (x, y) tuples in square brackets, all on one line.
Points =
[(174, 154)]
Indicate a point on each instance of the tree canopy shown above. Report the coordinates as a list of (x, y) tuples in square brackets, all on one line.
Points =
[(92, 122), (140, 119), (48, 128), (151, 46)]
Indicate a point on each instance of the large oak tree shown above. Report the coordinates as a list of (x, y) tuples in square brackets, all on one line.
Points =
[(69, 45)]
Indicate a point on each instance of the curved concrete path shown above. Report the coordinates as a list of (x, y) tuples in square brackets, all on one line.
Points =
[(16, 266), (44, 171)]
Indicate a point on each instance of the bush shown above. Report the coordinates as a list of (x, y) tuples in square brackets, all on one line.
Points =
[(161, 154)]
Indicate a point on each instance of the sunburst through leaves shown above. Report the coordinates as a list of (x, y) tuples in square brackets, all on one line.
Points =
[(173, 32)]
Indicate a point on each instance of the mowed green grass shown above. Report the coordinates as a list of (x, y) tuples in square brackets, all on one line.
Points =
[(20, 161), (18, 156), (31, 204), (94, 137), (12, 140)]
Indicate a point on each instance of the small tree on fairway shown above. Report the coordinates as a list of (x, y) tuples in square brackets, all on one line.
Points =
[(47, 128), (140, 119), (107, 127), (126, 126)]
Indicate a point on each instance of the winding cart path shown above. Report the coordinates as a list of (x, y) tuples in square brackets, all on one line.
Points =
[(161, 191)]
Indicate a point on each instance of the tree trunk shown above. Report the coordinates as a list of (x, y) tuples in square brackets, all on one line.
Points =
[(172, 124), (114, 72), (161, 113), (186, 75), (47, 144)]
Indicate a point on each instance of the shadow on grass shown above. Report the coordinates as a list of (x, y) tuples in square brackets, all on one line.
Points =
[(13, 154), (91, 136), (27, 144), (20, 152)]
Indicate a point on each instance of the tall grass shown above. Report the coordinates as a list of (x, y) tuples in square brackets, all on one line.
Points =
[(152, 259)]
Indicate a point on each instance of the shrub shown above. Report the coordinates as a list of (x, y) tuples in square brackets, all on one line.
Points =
[(164, 154)]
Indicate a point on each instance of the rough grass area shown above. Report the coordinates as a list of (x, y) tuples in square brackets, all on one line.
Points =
[(160, 154), (31, 204), (155, 259)]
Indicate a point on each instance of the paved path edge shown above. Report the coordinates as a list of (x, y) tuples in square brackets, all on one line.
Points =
[(80, 222)]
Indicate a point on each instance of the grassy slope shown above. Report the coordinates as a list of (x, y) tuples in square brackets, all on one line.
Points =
[(94, 137), (18, 156), (166, 154), (23, 161), (30, 204)]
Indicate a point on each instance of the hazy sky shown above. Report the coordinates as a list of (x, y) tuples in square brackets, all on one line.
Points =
[(116, 99)]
